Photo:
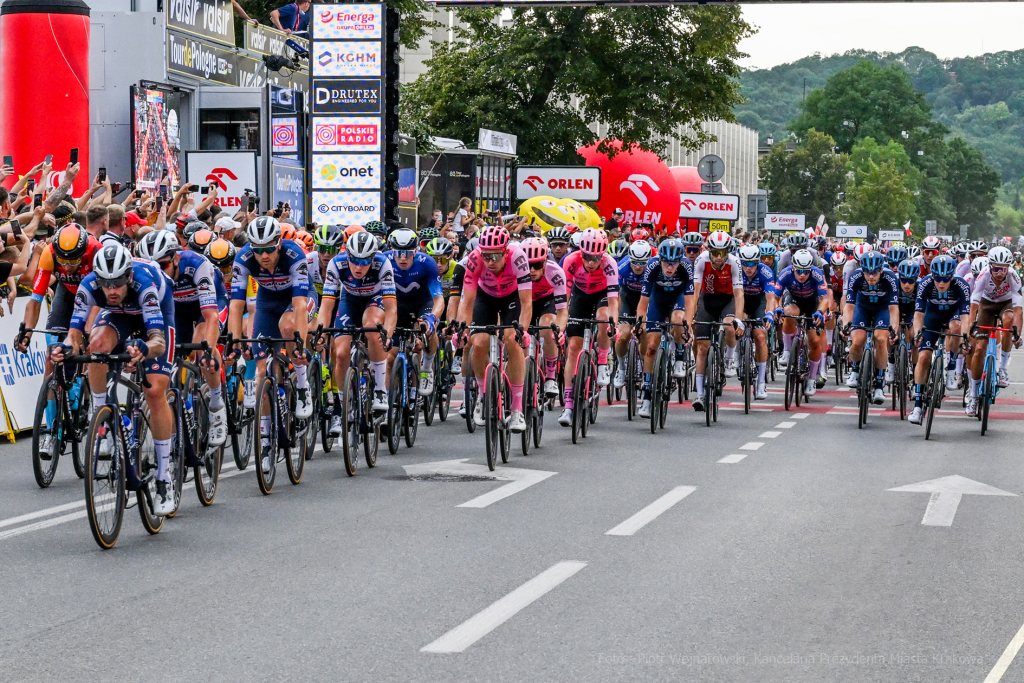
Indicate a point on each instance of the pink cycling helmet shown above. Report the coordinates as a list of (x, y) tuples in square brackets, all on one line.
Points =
[(536, 249), (494, 237), (593, 242)]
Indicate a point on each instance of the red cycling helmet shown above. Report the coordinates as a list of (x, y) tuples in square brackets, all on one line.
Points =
[(593, 242), (536, 249), (638, 234), (494, 237), (572, 228)]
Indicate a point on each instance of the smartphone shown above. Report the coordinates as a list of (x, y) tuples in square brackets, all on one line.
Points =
[(49, 159), (163, 192), (138, 193), (31, 185), (8, 160), (252, 204), (37, 201), (103, 173), (159, 203), (193, 188), (74, 155)]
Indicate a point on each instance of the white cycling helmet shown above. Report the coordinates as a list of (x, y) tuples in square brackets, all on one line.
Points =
[(263, 230), (979, 264), (719, 240), (640, 251), (861, 249), (157, 245), (750, 252), (361, 244), (838, 259), (803, 259), (931, 242), (1000, 256), (112, 262)]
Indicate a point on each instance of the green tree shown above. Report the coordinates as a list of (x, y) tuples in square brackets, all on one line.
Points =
[(972, 185), (879, 198), (553, 72), (807, 180)]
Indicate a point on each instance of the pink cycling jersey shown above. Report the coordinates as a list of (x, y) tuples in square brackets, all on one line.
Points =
[(514, 276), (603, 278), (552, 283)]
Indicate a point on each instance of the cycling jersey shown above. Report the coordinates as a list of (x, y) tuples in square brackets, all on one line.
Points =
[(447, 277), (837, 282), (514, 276), (883, 293), (289, 279), (762, 282), (986, 289), (723, 281), (315, 278), (786, 258), (379, 279), (813, 287), (629, 281), (963, 268), (552, 283), (195, 281), (955, 301), (602, 279), (656, 283), (149, 295), (420, 282), (48, 265)]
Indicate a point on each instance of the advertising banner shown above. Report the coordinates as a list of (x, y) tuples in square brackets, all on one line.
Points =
[(345, 207), (350, 134), (347, 172), (785, 222), (891, 235), (348, 22), (232, 172), (582, 183), (347, 96), (846, 232), (21, 374), (210, 19), (288, 185), (197, 59), (348, 58), (723, 207), (284, 135), (269, 41)]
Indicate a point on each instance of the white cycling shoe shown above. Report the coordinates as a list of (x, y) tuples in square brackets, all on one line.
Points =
[(478, 414), (878, 397), (303, 404), (565, 419), (1003, 379), (218, 427), (380, 400), (336, 426), (915, 416), (551, 387), (163, 501), (971, 408), (620, 378), (853, 379), (249, 398), (810, 388), (679, 369), (517, 423), (784, 359), (603, 376), (645, 408), (952, 380), (762, 392), (730, 367)]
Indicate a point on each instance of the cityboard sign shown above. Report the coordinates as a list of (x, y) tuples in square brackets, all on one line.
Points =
[(346, 207)]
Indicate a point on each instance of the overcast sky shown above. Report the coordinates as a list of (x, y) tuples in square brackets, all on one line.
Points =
[(791, 31)]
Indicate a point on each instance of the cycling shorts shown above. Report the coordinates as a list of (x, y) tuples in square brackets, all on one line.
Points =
[(628, 301), (712, 308), (807, 305), (61, 308), (187, 315), (351, 309), (410, 312), (990, 314), (489, 310), (583, 305), (876, 318), (128, 327), (541, 307), (267, 321), (661, 305), (754, 307), (929, 340)]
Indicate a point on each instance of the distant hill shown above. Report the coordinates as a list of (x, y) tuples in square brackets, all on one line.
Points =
[(979, 98)]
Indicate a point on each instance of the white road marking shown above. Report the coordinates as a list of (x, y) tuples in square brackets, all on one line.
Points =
[(751, 445), (731, 459), (946, 494), (1005, 659), (799, 416), (478, 626), (768, 435), (759, 403), (753, 410), (41, 513), (651, 512), (785, 425), (46, 523), (521, 478)]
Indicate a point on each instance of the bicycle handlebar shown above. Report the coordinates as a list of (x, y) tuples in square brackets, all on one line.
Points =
[(106, 359)]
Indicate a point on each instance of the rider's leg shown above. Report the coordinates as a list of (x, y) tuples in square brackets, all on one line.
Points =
[(761, 354), (161, 421), (341, 349), (924, 363), (881, 337), (550, 347), (604, 342), (572, 355)]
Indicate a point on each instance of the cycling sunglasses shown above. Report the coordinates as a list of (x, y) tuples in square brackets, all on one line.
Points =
[(557, 243), (719, 253), (750, 264), (493, 257), (537, 265), (997, 270), (907, 281), (691, 249), (68, 261), (802, 271), (326, 249), (671, 264), (592, 258), (936, 278), (165, 263), (113, 283), (270, 249), (356, 261), (933, 252), (405, 253)]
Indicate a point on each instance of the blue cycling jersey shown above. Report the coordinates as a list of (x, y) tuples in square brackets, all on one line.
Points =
[(290, 277), (220, 289), (762, 282), (814, 287), (955, 301), (149, 295), (420, 282), (379, 279), (628, 280), (655, 282), (879, 295), (195, 281)]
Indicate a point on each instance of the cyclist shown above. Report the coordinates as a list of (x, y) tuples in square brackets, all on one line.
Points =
[(196, 313), (631, 275), (443, 251), (718, 284), (282, 271), (758, 302), (943, 301), (327, 241), (618, 250), (134, 313), (420, 297), (804, 292), (549, 305), (931, 246), (995, 300), (872, 300), (221, 254), (693, 244), (795, 243), (558, 242), (592, 278), (768, 255), (666, 296), (497, 290), (838, 262), (361, 281)]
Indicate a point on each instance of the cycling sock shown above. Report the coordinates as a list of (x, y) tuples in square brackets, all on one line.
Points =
[(647, 384), (700, 386), (954, 360), (879, 378), (51, 411), (265, 425), (730, 352), (517, 397), (602, 356), (301, 381), (74, 393), (680, 352), (828, 336), (568, 397), (163, 458), (98, 400), (551, 367), (891, 368), (787, 341), (959, 364), (428, 362), (917, 395), (974, 387), (855, 366), (250, 370), (216, 398), (380, 372), (761, 369), (812, 373), (1004, 361), (337, 405)]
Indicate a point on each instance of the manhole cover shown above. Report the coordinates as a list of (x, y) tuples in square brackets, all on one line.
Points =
[(443, 477)]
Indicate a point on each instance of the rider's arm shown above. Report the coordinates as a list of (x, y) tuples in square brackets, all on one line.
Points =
[(525, 307), (918, 322)]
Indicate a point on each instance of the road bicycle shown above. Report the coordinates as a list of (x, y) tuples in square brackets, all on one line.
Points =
[(440, 399), (988, 386), (662, 381), (903, 373), (497, 394), (534, 400), (934, 389), (799, 362), (586, 395), (840, 353), (866, 381), (204, 459), (634, 367), (403, 388), (241, 420), (746, 363), (714, 371)]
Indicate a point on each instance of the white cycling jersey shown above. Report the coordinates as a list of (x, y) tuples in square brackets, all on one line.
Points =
[(986, 289)]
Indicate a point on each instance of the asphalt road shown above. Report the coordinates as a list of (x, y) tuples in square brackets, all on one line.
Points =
[(790, 561)]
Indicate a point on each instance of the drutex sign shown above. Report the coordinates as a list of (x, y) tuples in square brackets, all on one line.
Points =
[(582, 183), (722, 207)]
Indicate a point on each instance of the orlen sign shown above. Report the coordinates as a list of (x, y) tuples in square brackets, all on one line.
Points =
[(231, 172), (582, 183), (722, 207), (785, 222)]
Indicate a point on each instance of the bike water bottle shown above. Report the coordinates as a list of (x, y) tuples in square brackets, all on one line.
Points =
[(129, 430), (74, 393)]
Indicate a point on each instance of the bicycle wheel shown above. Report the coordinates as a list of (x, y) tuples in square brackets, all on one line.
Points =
[(578, 401), (445, 382), (709, 383), (469, 400), (585, 388), (368, 423), (316, 394), (901, 372), (504, 414), (613, 367), (490, 400), (266, 412), (80, 428), (538, 409), (295, 454), (988, 391), (147, 469), (177, 465), (632, 380), (394, 422), (797, 363), (411, 413), (746, 378), (595, 396), (104, 485), (44, 464), (349, 398), (207, 472), (529, 403), (934, 377)]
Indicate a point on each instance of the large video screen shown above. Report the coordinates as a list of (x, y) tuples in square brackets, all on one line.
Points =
[(156, 135)]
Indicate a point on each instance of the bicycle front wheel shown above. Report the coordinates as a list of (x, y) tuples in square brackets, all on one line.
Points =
[(105, 479), (491, 416), (529, 403), (410, 415), (349, 398), (395, 405), (48, 405), (935, 376), (207, 472), (632, 379), (265, 447), (988, 391)]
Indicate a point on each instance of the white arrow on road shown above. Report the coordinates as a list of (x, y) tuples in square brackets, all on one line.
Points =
[(946, 494), (520, 478)]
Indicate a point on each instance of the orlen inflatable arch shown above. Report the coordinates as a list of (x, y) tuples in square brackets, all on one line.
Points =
[(637, 182)]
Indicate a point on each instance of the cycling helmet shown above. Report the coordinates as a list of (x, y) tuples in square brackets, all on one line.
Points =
[(557, 234), (1000, 256), (850, 247), (439, 247), (328, 236), (931, 243), (802, 259), (574, 240), (943, 266), (838, 259), (895, 255), (959, 249), (909, 270), (221, 253), (536, 249), (193, 227), (70, 242), (862, 248), (472, 244), (797, 240), (913, 251), (718, 240), (692, 239), (200, 239), (671, 250), (872, 262), (403, 239), (375, 228), (495, 237), (750, 254), (978, 247), (593, 242), (979, 264), (263, 230), (114, 262), (640, 252), (287, 232), (572, 228), (637, 234), (361, 244), (157, 245), (427, 234), (305, 240), (618, 249), (768, 249)]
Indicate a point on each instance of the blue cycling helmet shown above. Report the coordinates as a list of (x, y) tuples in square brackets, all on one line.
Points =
[(871, 262), (943, 266), (896, 256), (768, 249), (671, 250), (909, 270)]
